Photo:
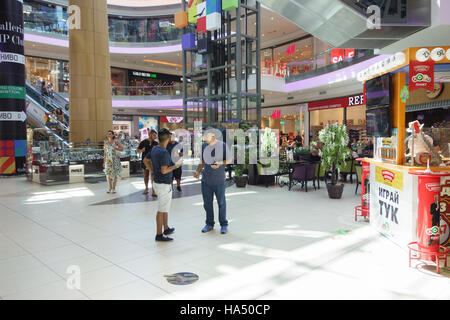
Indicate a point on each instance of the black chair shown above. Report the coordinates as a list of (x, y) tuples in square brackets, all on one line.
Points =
[(310, 170)]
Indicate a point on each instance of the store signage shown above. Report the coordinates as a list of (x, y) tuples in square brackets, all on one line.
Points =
[(382, 67), (276, 114), (171, 119), (143, 74), (352, 101), (12, 58), (290, 50), (164, 24), (76, 173), (421, 75), (13, 116), (338, 55)]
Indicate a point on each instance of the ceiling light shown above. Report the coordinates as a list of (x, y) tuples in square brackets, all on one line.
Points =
[(164, 63)]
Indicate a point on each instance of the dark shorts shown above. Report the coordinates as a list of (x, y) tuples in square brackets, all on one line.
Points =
[(143, 166), (177, 173)]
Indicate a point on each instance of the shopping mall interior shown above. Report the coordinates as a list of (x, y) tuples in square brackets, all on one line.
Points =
[(334, 177)]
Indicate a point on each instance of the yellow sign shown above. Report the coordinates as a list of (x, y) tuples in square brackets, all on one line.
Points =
[(391, 178)]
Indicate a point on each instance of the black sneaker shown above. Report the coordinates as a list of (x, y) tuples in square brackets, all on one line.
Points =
[(179, 189), (161, 238), (169, 231)]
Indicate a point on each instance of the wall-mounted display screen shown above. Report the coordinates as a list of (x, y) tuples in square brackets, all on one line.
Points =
[(378, 91), (378, 122)]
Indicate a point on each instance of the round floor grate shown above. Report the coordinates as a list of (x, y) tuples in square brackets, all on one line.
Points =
[(182, 278)]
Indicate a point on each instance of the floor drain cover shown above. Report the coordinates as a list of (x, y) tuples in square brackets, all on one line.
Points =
[(182, 278)]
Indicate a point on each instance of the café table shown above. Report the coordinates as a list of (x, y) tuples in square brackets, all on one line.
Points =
[(290, 169)]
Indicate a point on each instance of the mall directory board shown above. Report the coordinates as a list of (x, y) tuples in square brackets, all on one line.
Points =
[(13, 144)]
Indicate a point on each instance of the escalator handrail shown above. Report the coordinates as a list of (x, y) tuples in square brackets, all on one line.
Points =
[(46, 111), (48, 130), (48, 100)]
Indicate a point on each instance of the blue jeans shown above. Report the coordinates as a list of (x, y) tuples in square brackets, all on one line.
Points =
[(208, 192)]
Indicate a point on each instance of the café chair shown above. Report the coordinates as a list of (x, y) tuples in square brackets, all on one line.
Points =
[(349, 168), (310, 170), (320, 174), (298, 175)]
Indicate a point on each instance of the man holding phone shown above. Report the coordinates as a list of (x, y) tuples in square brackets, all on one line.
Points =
[(158, 163), (215, 156)]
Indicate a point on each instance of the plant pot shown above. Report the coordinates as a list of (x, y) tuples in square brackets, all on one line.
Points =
[(241, 182), (335, 191)]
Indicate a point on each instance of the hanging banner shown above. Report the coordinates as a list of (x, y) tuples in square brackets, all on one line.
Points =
[(421, 75)]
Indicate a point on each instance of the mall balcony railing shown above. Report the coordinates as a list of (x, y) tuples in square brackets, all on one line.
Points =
[(44, 18), (154, 91), (318, 64)]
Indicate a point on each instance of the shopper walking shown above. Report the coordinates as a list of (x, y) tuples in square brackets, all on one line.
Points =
[(215, 156), (175, 151), (145, 147), (111, 161), (158, 163)]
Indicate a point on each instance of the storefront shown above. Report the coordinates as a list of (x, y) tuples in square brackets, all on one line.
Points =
[(290, 120), (350, 110), (123, 124), (119, 81), (171, 123), (406, 201), (150, 83), (53, 72)]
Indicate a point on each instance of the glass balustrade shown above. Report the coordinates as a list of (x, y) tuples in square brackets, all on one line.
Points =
[(52, 19)]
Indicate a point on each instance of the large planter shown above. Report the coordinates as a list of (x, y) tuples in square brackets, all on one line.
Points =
[(335, 191), (241, 182)]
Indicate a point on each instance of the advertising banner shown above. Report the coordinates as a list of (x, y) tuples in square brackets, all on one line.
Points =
[(12, 87), (421, 75), (428, 213), (391, 203), (125, 169), (445, 211)]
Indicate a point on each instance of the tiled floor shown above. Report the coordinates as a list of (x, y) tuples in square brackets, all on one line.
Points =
[(281, 245)]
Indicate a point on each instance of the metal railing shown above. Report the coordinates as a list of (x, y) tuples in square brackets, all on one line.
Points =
[(296, 69), (45, 18)]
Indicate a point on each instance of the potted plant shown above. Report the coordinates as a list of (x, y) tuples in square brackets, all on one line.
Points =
[(239, 178), (334, 152)]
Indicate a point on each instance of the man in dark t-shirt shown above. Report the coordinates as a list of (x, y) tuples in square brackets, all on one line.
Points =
[(159, 164), (145, 147), (215, 156), (175, 149)]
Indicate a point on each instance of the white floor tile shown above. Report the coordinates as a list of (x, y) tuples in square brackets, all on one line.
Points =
[(136, 290)]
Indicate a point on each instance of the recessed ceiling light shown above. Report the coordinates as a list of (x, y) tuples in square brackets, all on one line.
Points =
[(271, 18)]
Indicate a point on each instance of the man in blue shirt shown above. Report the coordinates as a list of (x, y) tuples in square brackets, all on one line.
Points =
[(158, 163), (215, 156)]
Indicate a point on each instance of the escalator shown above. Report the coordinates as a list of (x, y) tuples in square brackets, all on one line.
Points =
[(39, 109), (344, 23)]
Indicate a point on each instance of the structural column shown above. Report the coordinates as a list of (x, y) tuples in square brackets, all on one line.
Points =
[(13, 137), (90, 74)]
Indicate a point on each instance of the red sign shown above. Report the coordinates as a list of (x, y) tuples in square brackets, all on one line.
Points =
[(276, 114), (352, 101), (445, 211), (290, 50), (171, 119), (337, 55), (421, 75)]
